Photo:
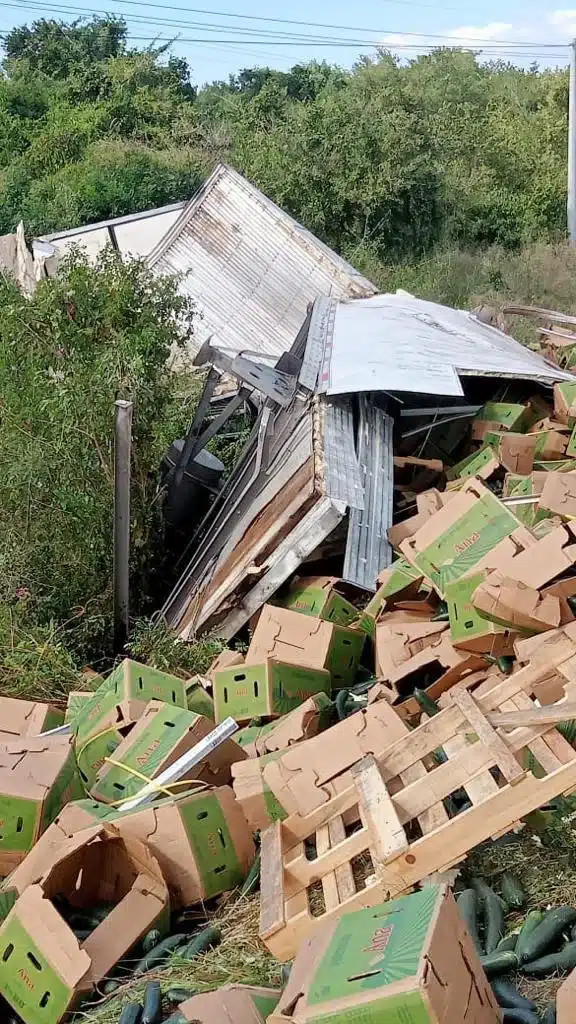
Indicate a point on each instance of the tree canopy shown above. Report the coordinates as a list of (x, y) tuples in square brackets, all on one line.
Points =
[(389, 157)]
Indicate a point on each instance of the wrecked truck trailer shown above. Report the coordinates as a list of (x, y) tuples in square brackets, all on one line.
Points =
[(374, 400)]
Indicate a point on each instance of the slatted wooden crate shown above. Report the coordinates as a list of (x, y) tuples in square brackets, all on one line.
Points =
[(392, 819)]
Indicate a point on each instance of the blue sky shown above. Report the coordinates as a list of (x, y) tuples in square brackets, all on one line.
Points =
[(495, 26)]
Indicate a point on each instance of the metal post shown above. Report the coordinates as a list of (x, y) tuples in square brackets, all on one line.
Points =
[(122, 452), (572, 147)]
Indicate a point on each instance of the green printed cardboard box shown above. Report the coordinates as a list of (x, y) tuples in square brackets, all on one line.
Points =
[(201, 840), (46, 969), (320, 597), (237, 1004), (37, 777), (469, 630), (26, 718), (408, 961), (307, 720), (259, 804), (565, 402), (400, 581), (160, 737), (268, 690), (295, 639), (499, 416), (103, 721), (456, 539), (482, 463), (76, 701)]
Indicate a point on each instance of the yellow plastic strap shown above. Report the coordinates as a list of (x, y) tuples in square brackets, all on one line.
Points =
[(166, 790), (92, 739)]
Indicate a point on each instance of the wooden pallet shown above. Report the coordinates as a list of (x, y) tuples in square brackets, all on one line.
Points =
[(389, 827)]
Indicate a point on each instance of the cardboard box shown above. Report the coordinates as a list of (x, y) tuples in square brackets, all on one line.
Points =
[(75, 702), (232, 1004), (397, 643), (517, 606), (37, 777), (296, 639), (268, 690), (321, 597), (408, 961), (555, 466), (498, 416), (559, 494), (435, 669), (483, 463), (159, 738), (226, 659), (401, 580), (563, 589), (527, 487), (305, 721), (566, 994), (45, 969), (198, 699), (550, 445), (427, 503), (552, 555), (129, 685), (469, 629), (259, 803), (455, 540), (514, 451), (565, 402), (26, 718)]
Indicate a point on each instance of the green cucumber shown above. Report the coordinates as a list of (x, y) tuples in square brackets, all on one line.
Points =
[(252, 878), (159, 953), (207, 938), (520, 1017), (179, 995), (427, 705), (546, 933), (499, 962), (531, 921), (494, 908), (508, 996), (512, 892), (131, 1014), (152, 1003), (340, 704), (467, 903), (151, 939), (568, 730), (110, 986), (550, 1015), (508, 942), (554, 963)]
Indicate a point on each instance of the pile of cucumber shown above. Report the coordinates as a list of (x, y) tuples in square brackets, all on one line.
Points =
[(543, 945)]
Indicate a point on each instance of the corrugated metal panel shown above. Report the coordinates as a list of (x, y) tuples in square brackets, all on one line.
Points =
[(368, 549), (342, 478), (251, 269), (401, 343)]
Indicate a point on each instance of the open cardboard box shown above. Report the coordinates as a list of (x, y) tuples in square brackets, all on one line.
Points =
[(323, 597), (288, 636), (159, 738), (400, 581), (37, 777), (305, 721), (268, 690), (45, 969), (559, 494), (515, 452), (398, 642), (499, 416), (26, 718), (226, 659), (483, 463), (232, 1004), (469, 629), (516, 606), (408, 961), (75, 702)]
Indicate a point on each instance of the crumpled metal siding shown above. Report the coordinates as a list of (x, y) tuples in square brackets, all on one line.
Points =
[(250, 268)]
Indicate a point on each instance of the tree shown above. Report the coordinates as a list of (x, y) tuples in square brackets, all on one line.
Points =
[(53, 48)]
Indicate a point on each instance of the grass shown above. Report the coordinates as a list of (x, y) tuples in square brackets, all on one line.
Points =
[(239, 959)]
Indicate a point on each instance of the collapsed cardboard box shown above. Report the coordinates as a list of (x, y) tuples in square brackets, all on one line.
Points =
[(398, 642), (305, 721), (434, 669), (499, 416), (409, 960), (398, 583), (26, 718), (232, 1004), (37, 778), (259, 803), (322, 598), (160, 737), (515, 452), (288, 636), (268, 690), (565, 402), (45, 968), (558, 494), (469, 629), (197, 698), (517, 606), (482, 463)]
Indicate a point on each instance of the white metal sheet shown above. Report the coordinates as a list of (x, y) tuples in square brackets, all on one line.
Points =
[(139, 237), (401, 343)]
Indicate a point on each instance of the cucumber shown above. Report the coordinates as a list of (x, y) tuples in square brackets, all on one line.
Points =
[(512, 892), (499, 962), (508, 942), (131, 1014), (151, 939), (467, 903), (252, 878), (176, 1018), (210, 936), (110, 986), (508, 996), (340, 704), (554, 963), (531, 921), (152, 1003), (520, 1017), (546, 933), (179, 995), (550, 1015), (159, 953), (494, 909), (568, 730), (427, 705)]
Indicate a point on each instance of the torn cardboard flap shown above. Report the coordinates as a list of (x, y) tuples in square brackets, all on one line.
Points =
[(26, 718), (482, 464), (469, 629), (397, 643), (552, 555), (232, 1004), (302, 723), (435, 669), (516, 605), (226, 659)]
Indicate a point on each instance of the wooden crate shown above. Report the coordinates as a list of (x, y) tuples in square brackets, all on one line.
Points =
[(391, 818)]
